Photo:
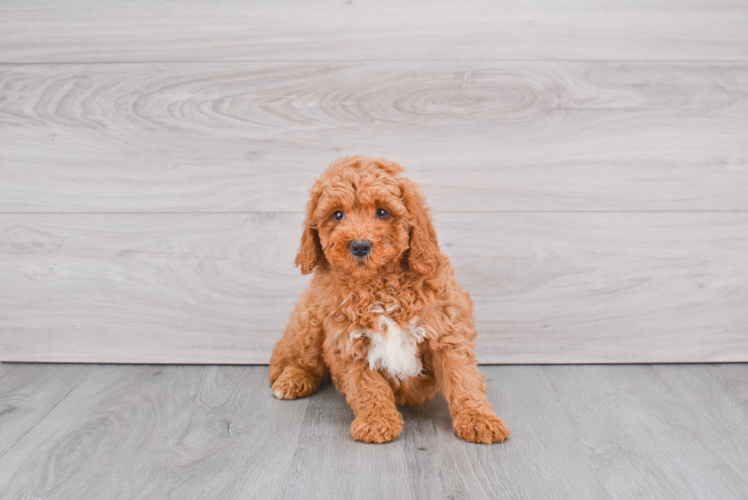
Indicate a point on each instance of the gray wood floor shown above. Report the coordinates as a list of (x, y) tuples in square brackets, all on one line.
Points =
[(584, 431)]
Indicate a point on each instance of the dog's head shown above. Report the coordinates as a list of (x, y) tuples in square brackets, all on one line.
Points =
[(363, 217)]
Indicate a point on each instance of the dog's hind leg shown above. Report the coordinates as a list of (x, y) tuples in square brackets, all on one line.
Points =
[(296, 367)]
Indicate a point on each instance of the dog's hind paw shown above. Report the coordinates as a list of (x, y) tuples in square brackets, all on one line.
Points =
[(294, 382)]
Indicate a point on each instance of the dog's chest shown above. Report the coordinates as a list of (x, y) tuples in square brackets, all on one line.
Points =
[(393, 347)]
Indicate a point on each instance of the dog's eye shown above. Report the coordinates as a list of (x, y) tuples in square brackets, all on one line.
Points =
[(381, 213), (339, 215)]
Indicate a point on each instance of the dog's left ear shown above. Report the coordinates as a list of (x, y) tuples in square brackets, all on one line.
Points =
[(424, 255), (310, 252)]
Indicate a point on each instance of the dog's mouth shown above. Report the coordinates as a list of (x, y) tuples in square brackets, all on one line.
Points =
[(360, 267)]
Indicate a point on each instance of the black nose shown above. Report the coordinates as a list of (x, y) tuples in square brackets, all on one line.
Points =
[(360, 248)]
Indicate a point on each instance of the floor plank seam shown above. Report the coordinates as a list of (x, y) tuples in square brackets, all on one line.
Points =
[(697, 413), (354, 61), (570, 418), (83, 378)]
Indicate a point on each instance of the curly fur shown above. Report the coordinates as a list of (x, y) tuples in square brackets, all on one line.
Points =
[(391, 328)]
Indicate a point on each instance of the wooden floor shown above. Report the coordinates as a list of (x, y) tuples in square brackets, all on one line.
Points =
[(586, 161), (584, 431)]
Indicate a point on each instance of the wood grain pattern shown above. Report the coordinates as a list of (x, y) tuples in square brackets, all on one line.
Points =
[(718, 395), (148, 288), (588, 163), (218, 288), (508, 136), (641, 287), (84, 31), (427, 461), (644, 438), (28, 392), (543, 445), (158, 432), (217, 432)]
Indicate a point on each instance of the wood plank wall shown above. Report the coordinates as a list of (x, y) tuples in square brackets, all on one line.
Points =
[(587, 164)]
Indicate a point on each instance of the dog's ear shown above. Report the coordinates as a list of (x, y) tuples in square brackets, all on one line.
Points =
[(424, 255), (310, 253)]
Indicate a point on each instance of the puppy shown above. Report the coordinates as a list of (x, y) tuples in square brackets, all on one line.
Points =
[(383, 314)]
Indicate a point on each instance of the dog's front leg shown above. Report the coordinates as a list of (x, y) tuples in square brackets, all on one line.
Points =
[(462, 385), (369, 395)]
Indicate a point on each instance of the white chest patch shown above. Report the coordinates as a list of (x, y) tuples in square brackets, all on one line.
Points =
[(395, 348)]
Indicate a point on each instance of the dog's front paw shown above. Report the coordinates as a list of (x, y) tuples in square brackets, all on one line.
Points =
[(377, 426), (480, 427), (294, 382)]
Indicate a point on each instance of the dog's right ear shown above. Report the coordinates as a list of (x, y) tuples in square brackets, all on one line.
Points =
[(310, 253)]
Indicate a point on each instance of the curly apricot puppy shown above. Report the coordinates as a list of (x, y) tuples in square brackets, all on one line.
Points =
[(383, 313)]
